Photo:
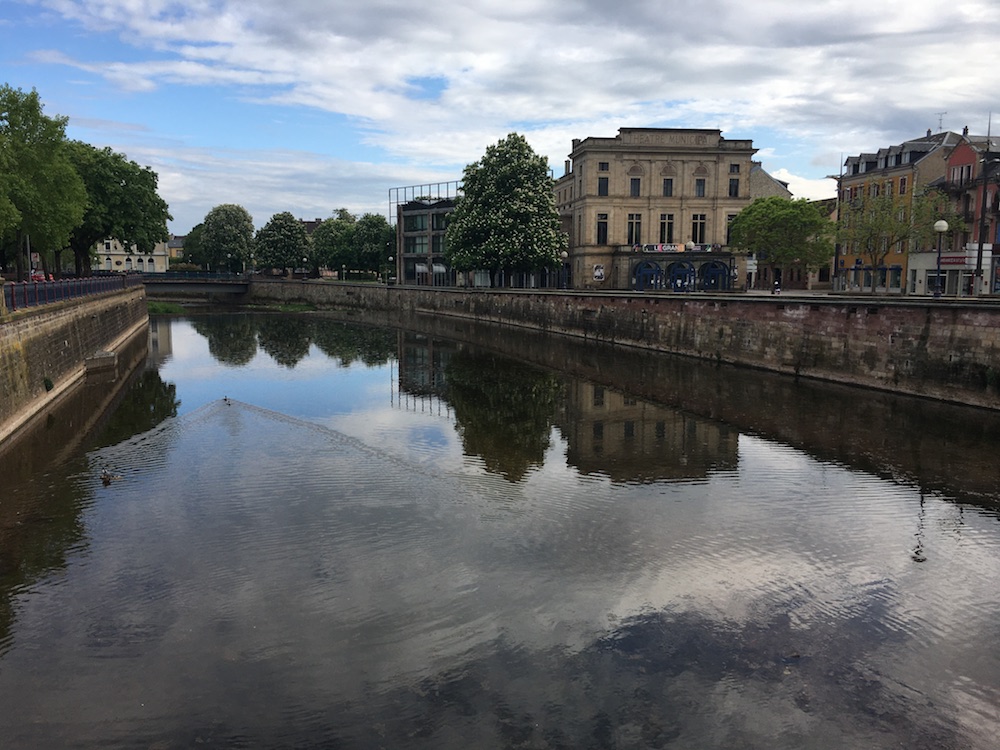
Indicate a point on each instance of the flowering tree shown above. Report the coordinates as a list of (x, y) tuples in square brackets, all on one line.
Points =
[(506, 219)]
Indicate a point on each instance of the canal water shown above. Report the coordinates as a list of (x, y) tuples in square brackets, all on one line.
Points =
[(304, 532)]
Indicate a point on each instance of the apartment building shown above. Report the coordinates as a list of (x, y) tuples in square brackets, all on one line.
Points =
[(902, 170)]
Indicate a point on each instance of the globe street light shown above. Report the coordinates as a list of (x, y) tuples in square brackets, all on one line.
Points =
[(940, 226), (562, 269)]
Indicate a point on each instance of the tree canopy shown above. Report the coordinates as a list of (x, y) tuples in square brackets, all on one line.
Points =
[(42, 197), (281, 243), (122, 203), (506, 219), (333, 240), (227, 237), (781, 232)]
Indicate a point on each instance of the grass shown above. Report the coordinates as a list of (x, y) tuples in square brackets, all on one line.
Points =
[(163, 308), (289, 307)]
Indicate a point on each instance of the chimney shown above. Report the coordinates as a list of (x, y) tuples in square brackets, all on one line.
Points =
[(965, 130), (567, 168), (928, 132)]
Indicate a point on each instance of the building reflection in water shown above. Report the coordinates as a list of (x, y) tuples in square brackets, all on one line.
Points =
[(505, 412), (630, 440)]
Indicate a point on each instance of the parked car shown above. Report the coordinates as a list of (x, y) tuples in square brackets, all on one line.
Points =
[(37, 276)]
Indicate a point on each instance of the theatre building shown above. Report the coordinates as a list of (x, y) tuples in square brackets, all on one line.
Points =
[(650, 209)]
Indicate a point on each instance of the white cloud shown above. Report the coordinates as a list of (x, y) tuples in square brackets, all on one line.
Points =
[(835, 77)]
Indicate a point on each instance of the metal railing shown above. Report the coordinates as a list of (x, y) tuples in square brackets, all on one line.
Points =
[(19, 295)]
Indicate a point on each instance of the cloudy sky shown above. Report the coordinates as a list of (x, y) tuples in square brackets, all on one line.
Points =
[(311, 105)]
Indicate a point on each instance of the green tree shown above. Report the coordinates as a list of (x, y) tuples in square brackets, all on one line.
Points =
[(227, 238), (194, 252), (783, 232), (42, 197), (122, 204), (373, 241), (281, 243), (333, 241), (872, 226), (506, 219)]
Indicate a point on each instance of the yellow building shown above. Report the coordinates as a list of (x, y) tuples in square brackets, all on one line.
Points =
[(113, 256), (652, 206)]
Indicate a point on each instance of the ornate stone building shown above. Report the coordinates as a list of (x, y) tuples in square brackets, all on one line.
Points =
[(650, 208)]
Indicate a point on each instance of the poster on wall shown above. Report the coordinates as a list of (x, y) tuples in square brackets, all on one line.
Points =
[(598, 272)]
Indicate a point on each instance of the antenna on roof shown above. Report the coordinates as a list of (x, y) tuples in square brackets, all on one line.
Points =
[(940, 119)]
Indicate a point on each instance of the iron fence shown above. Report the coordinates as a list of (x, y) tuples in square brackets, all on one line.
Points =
[(18, 295)]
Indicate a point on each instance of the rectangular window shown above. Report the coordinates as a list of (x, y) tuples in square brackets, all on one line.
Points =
[(734, 169), (107, 246), (729, 226), (734, 187), (668, 187), (437, 244), (634, 187), (666, 229), (415, 222), (698, 222), (439, 221), (699, 188), (629, 430), (902, 186), (635, 229), (602, 185), (416, 244), (602, 166), (598, 395), (602, 229)]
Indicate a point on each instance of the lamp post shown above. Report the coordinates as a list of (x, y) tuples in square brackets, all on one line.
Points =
[(940, 226), (562, 269), (391, 272)]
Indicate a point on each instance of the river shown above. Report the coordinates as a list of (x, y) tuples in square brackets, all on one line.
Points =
[(299, 531)]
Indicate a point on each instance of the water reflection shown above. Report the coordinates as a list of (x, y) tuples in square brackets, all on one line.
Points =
[(504, 410), (555, 557), (234, 340)]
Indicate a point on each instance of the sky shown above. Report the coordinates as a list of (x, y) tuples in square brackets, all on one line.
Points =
[(309, 106)]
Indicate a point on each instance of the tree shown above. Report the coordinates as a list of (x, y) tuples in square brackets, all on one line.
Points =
[(506, 219), (373, 240), (42, 197), (227, 238), (122, 203), (872, 226), (281, 243), (194, 252), (333, 241), (783, 232)]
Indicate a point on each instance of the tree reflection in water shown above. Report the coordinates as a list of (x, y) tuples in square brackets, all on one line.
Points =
[(232, 339), (504, 410)]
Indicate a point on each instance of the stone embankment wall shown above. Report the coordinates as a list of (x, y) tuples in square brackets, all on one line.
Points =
[(943, 349), (43, 350)]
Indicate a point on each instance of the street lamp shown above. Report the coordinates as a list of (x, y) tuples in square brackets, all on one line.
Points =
[(940, 226), (562, 269), (392, 269)]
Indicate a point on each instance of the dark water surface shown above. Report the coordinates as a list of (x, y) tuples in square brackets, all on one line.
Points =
[(325, 535)]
